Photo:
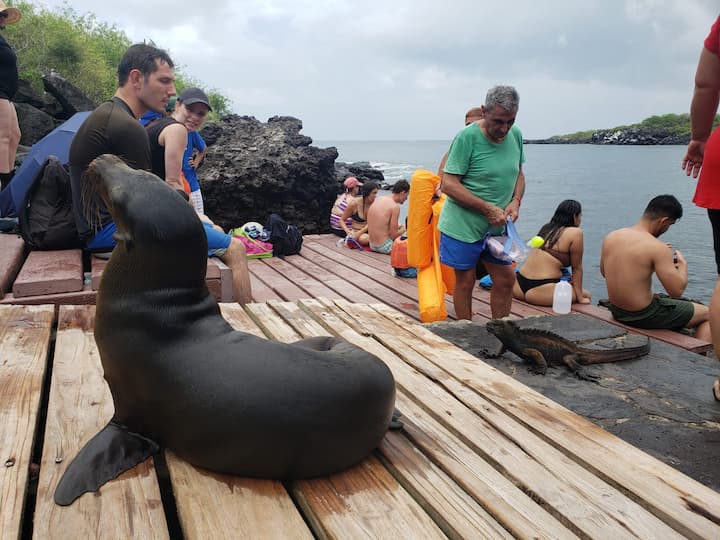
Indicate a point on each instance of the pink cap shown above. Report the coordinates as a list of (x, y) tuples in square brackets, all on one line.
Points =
[(351, 182)]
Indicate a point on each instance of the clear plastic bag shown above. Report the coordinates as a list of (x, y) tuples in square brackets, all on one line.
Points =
[(507, 247)]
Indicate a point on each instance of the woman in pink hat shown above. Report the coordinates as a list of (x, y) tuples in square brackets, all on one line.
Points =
[(352, 189), (9, 128)]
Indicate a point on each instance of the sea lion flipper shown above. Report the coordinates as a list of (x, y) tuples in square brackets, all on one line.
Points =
[(108, 454)]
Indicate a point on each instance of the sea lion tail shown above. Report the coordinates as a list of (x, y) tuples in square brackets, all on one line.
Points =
[(108, 454)]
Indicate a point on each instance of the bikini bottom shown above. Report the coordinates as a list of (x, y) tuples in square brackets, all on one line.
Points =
[(527, 284)]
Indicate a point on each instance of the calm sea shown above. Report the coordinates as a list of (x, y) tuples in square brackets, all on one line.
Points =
[(613, 184)]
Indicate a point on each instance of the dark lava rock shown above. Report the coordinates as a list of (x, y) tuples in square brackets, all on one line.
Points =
[(252, 169), (34, 123), (362, 170), (68, 95)]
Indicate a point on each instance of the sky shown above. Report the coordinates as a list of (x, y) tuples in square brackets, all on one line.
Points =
[(409, 69)]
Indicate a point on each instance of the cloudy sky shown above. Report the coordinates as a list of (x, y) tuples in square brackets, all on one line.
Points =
[(408, 69)]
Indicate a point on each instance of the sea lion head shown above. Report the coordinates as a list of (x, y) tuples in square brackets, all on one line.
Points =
[(152, 220)]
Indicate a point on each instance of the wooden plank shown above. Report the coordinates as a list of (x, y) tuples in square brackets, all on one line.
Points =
[(213, 505), (689, 507), (84, 297), (284, 287), (97, 265), (50, 272), (12, 254), (363, 501), (224, 273), (678, 339), (312, 287), (355, 261), (452, 508), (79, 406), (24, 342), (569, 492), (260, 291)]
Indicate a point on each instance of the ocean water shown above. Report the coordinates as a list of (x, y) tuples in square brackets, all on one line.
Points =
[(613, 184)]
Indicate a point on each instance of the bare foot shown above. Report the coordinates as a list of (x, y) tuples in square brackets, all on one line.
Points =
[(716, 390)]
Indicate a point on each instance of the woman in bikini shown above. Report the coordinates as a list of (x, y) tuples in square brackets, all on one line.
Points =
[(352, 189), (544, 267), (357, 210)]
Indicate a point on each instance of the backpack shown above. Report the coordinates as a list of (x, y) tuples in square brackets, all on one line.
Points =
[(286, 239), (46, 217)]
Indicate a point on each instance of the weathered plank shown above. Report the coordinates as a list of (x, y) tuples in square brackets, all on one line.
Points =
[(313, 288), (50, 272), (683, 503), (12, 254), (221, 272), (213, 505), (363, 502), (24, 343), (79, 406), (274, 279), (97, 265), (452, 508), (83, 297), (678, 339)]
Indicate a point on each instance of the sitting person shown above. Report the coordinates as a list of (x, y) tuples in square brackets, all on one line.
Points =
[(352, 188), (563, 248), (628, 259), (357, 210), (168, 140), (382, 218)]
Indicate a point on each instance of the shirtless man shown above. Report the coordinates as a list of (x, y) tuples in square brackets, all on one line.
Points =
[(631, 256), (382, 218)]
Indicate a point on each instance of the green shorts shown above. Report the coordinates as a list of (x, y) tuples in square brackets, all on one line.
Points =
[(665, 313)]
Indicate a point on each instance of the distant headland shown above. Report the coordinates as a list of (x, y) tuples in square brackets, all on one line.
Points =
[(665, 129)]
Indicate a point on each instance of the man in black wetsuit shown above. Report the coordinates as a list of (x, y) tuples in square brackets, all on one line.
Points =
[(146, 81)]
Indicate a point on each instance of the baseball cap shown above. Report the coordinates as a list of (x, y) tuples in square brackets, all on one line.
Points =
[(194, 95), (351, 182)]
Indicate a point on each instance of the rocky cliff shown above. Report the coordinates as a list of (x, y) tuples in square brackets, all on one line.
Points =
[(253, 168)]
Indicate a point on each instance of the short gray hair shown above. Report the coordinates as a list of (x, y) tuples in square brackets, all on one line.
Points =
[(504, 96)]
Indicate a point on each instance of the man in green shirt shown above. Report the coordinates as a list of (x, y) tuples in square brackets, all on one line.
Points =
[(484, 183)]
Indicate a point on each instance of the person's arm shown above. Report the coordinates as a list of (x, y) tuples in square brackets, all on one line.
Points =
[(452, 186), (442, 166), (702, 110), (174, 139), (512, 210), (577, 249), (673, 275), (349, 211)]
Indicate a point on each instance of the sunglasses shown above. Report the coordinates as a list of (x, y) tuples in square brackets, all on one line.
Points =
[(4, 15)]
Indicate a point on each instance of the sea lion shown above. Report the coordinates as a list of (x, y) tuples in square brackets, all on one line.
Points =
[(181, 378)]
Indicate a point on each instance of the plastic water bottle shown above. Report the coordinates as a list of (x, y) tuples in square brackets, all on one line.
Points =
[(562, 296)]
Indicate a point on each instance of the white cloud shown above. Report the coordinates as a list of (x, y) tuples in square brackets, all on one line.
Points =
[(409, 69)]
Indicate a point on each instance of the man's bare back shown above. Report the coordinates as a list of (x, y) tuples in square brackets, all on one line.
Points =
[(628, 260), (381, 214)]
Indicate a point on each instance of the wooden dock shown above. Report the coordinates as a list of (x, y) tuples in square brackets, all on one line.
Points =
[(480, 455)]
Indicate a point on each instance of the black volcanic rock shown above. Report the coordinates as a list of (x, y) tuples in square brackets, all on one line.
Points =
[(34, 123), (68, 95), (252, 169), (362, 170)]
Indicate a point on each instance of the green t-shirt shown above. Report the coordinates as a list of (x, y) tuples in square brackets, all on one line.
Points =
[(488, 170)]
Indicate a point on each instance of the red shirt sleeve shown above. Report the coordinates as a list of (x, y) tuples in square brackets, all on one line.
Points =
[(712, 42)]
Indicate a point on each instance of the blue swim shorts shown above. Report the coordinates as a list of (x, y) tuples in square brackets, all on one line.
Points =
[(218, 242), (463, 255)]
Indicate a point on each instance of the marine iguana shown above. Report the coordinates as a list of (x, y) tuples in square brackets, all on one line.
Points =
[(542, 347)]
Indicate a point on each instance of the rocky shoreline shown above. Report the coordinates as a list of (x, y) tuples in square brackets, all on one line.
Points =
[(625, 136)]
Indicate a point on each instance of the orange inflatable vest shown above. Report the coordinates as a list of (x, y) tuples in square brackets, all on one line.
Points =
[(434, 279), (398, 253)]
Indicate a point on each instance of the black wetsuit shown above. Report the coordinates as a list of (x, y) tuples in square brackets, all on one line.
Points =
[(8, 70), (111, 129)]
